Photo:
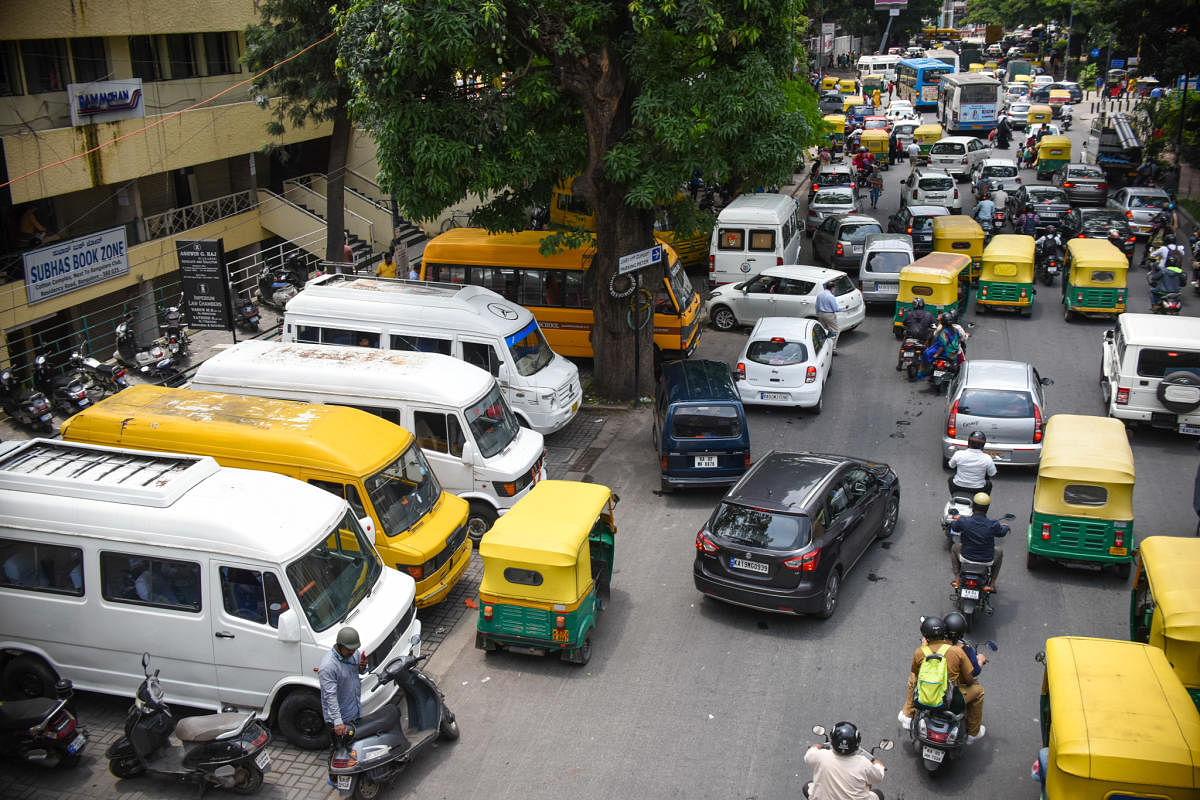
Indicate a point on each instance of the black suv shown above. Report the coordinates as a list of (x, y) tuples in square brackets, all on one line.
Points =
[(1048, 202), (783, 538)]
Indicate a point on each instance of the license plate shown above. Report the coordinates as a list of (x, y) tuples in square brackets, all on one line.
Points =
[(263, 760), (937, 373), (1118, 551), (344, 783), (751, 566), (970, 594), (856, 249), (932, 754), (994, 453), (560, 636), (77, 744), (772, 396), (1192, 429), (885, 287), (706, 461)]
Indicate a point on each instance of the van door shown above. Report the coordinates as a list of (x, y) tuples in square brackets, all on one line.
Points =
[(441, 437), (249, 657)]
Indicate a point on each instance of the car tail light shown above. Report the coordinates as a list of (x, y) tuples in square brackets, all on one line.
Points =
[(815, 188), (487, 612), (1045, 531), (1102, 186), (344, 763), (746, 460), (1080, 236), (664, 463), (956, 194), (1122, 396), (1129, 215), (1132, 239), (952, 421), (964, 159), (712, 263), (779, 261), (1018, 179), (1068, 186), (739, 372), (840, 250), (805, 563), (704, 544), (914, 194), (810, 375), (1037, 422), (908, 230)]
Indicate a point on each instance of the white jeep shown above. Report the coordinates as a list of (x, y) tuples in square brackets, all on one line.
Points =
[(1150, 372)]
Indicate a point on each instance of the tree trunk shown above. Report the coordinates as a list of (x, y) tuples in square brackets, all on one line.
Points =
[(335, 183)]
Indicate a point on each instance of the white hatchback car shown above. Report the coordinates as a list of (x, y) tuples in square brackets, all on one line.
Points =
[(785, 362), (958, 155), (789, 290)]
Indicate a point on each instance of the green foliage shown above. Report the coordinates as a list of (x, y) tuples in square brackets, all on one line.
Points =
[(307, 86), (1087, 75)]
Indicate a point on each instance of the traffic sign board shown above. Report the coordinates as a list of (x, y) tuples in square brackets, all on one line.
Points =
[(1118, 63), (640, 260), (1095, 52)]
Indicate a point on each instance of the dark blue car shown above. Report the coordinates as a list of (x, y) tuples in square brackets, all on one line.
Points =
[(700, 428)]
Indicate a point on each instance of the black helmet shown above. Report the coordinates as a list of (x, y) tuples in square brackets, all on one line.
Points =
[(947, 319), (956, 625), (1169, 238), (918, 303), (977, 440), (845, 739), (933, 628)]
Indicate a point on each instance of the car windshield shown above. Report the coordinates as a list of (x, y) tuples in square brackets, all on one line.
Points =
[(706, 422), (923, 224), (1002, 403), (758, 528), (529, 349), (1048, 195), (885, 261), (1000, 171), (777, 352), (1101, 223), (1148, 201), (492, 423), (947, 149), (681, 286), (875, 124), (404, 491), (857, 232), (937, 184), (839, 198), (335, 576)]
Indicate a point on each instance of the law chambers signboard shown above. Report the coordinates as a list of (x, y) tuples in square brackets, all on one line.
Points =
[(205, 283), (63, 267)]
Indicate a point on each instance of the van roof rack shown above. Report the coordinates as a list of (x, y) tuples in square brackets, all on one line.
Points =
[(387, 285), (71, 469)]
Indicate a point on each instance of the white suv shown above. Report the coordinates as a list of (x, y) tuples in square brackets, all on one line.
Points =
[(1150, 371), (927, 186), (958, 155)]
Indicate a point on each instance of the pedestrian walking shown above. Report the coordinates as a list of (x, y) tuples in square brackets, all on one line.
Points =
[(876, 184), (827, 310)]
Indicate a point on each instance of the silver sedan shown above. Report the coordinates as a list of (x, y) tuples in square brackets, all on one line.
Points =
[(838, 200)]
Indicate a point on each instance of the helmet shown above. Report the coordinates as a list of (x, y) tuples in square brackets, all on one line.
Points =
[(918, 303), (1169, 238), (977, 440), (862, 149), (956, 625), (933, 628), (845, 739), (348, 637), (981, 500), (947, 319)]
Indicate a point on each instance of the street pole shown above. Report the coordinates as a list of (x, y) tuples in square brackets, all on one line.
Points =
[(1107, 67)]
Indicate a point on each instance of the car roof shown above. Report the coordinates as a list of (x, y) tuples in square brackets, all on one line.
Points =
[(887, 241), (928, 211), (856, 219), (698, 380), (781, 481), (833, 168), (803, 271), (1157, 330), (956, 139), (1148, 190), (997, 374), (786, 327), (997, 162)]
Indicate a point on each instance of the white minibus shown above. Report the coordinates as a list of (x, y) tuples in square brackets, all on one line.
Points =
[(878, 65), (753, 232)]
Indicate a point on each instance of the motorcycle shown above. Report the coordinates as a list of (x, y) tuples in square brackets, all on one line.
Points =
[(28, 408), (366, 758), (247, 317), (67, 393), (998, 219), (1066, 123), (176, 334), (226, 750), (108, 378), (972, 591), (277, 289), (43, 730), (150, 360), (1169, 303), (944, 370), (1048, 264), (910, 356), (884, 745)]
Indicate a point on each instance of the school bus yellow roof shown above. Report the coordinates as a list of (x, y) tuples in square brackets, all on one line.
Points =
[(520, 249), (1009, 247), (936, 267), (1173, 566), (1097, 253), (1120, 714), (1087, 448), (548, 525), (239, 427), (956, 226)]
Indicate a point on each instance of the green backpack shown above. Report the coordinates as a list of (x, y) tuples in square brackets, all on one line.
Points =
[(933, 678)]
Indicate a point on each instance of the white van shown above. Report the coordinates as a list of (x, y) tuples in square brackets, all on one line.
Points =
[(753, 232), (462, 422), (235, 581), (470, 323)]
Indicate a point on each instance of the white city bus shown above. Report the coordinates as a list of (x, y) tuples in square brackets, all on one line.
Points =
[(968, 101), (947, 57)]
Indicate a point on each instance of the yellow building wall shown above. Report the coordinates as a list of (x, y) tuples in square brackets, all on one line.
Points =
[(52, 19)]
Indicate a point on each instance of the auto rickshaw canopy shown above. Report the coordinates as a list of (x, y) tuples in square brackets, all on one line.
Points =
[(1172, 567), (958, 228), (849, 101), (1084, 451), (848, 86), (1040, 113), (934, 278), (1119, 714), (1023, 79), (1087, 257), (1060, 97), (1055, 148), (829, 83), (875, 140), (928, 133), (1009, 257), (975, 66), (545, 533)]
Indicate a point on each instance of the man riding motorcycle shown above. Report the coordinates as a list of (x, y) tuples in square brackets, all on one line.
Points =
[(918, 329), (974, 469), (934, 637), (842, 771), (1166, 275), (977, 538)]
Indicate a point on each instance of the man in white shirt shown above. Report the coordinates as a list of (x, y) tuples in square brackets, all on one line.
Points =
[(843, 771), (974, 469)]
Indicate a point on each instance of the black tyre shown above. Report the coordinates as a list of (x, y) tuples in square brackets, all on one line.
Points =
[(70, 760), (1068, 314), (448, 730), (28, 676), (125, 767), (300, 721), (891, 515), (480, 520), (1032, 561), (251, 782), (1187, 392), (833, 586), (723, 319), (366, 789), (580, 655), (1122, 570), (913, 369), (969, 616)]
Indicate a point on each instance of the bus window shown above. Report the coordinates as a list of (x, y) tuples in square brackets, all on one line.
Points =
[(532, 288), (574, 293)]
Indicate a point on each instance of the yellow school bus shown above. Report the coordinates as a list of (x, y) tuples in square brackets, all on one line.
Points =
[(554, 287)]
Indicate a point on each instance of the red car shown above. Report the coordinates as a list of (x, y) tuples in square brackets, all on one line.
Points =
[(877, 124)]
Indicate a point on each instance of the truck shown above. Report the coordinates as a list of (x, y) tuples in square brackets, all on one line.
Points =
[(1113, 145)]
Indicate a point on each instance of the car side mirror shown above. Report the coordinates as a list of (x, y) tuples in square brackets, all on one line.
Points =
[(368, 526), (1046, 381), (819, 730), (469, 453), (1040, 657), (289, 626), (1109, 334)]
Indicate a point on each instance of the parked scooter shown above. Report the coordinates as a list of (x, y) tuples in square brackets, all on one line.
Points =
[(246, 317), (277, 288), (67, 393), (43, 730), (884, 745), (108, 378), (176, 336), (226, 750), (28, 408), (972, 592), (365, 759), (150, 360)]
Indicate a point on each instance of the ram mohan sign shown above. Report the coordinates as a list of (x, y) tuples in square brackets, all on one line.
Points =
[(104, 101)]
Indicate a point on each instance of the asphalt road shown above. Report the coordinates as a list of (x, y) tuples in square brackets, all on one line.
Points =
[(688, 697)]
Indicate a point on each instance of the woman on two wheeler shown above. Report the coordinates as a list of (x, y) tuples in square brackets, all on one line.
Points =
[(949, 340)]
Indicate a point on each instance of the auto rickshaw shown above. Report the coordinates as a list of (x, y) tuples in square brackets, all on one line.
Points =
[(991, 66), (1024, 78), (547, 565), (876, 142), (1094, 278), (849, 101), (1143, 86), (941, 279), (1053, 154), (1164, 604), (837, 132), (1083, 498), (960, 234), (1116, 724), (1058, 99), (975, 67), (829, 83), (1006, 279), (873, 83), (848, 86), (1039, 113), (927, 136)]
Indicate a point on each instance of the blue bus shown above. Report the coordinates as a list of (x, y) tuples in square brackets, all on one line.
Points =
[(918, 81)]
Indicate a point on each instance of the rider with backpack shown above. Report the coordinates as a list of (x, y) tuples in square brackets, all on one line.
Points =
[(939, 669), (1166, 275)]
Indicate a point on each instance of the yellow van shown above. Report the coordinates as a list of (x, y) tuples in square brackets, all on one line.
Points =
[(375, 465)]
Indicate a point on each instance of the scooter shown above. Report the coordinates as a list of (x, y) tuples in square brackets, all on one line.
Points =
[(150, 360), (944, 370), (276, 289), (366, 758), (176, 334), (1169, 303), (909, 359), (108, 378), (43, 730), (226, 750), (1048, 263), (28, 408), (972, 591), (884, 745), (247, 317), (67, 393)]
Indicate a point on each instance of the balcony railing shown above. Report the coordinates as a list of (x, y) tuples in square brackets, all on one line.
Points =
[(178, 220)]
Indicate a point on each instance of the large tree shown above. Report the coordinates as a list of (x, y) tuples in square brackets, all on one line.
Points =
[(306, 88), (502, 98)]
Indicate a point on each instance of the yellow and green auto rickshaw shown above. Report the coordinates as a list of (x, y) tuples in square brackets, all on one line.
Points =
[(1053, 154), (975, 67), (873, 83), (1006, 278), (1094, 278), (1039, 114), (849, 101), (877, 143), (991, 66), (829, 84), (836, 135), (1116, 724), (1058, 99), (1083, 498), (958, 233), (927, 136), (849, 86), (547, 565), (940, 279), (1164, 604)]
